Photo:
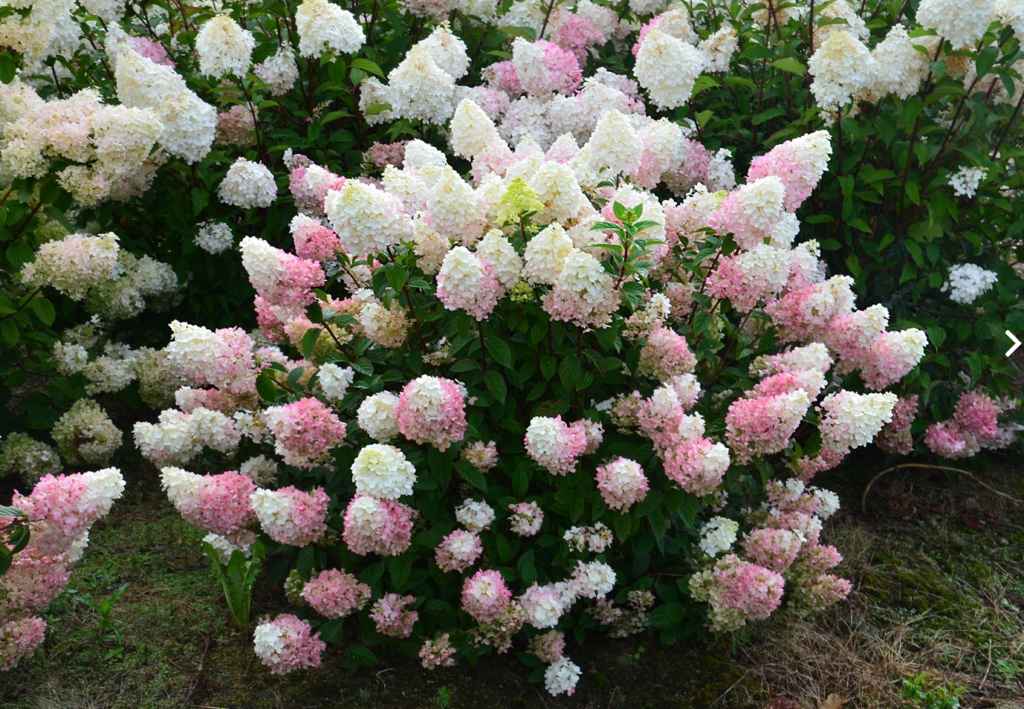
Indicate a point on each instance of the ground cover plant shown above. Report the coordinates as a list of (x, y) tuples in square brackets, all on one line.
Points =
[(552, 321)]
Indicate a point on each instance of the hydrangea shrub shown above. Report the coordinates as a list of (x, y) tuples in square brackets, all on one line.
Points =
[(552, 300)]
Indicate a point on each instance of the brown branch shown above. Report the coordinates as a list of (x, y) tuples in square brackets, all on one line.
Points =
[(905, 466)]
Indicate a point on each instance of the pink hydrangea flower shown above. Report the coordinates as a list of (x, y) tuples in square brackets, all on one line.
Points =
[(978, 415), (697, 465), (219, 358), (485, 596), (554, 444), (775, 549), (622, 483), (467, 282), (824, 590), (804, 314), (63, 507), (482, 456), (577, 34), (377, 526), (215, 503), (503, 77), (748, 589), (286, 644), (313, 240), (304, 431), (458, 551), (438, 653), (279, 277), (19, 639), (764, 425), (543, 606), (548, 647), (799, 163), (526, 519), (949, 440), (291, 516), (152, 50), (32, 582), (384, 154), (309, 185), (432, 410), (335, 594), (392, 616), (665, 355)]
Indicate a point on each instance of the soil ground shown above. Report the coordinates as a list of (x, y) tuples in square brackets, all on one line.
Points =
[(937, 566)]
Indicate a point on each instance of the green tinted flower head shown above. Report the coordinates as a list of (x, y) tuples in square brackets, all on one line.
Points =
[(520, 292), (518, 201)]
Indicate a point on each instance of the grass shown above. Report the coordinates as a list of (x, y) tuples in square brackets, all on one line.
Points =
[(938, 571)]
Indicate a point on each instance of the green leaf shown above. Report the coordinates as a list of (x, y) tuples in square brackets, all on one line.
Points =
[(359, 656), (266, 388), (9, 330), (527, 570), (368, 66), (309, 341), (397, 276), (496, 385), (791, 65), (524, 32), (500, 351), (668, 615), (43, 310), (200, 198), (569, 372), (936, 335), (8, 68), (376, 108), (548, 365), (521, 478)]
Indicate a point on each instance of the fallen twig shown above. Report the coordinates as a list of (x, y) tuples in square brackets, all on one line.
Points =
[(904, 466)]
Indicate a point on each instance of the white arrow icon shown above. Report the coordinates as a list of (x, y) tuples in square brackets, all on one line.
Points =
[(1016, 344)]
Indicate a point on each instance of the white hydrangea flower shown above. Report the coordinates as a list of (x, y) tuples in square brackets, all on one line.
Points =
[(667, 68), (335, 380), (961, 22), (224, 47), (261, 470), (615, 145), (366, 219), (325, 27), (965, 181), (505, 262), (718, 536), (546, 253), (561, 676), (472, 131), (968, 282), (474, 515), (447, 51), (247, 185), (376, 416), (842, 69), (419, 89), (852, 420), (279, 71), (214, 237), (383, 471)]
